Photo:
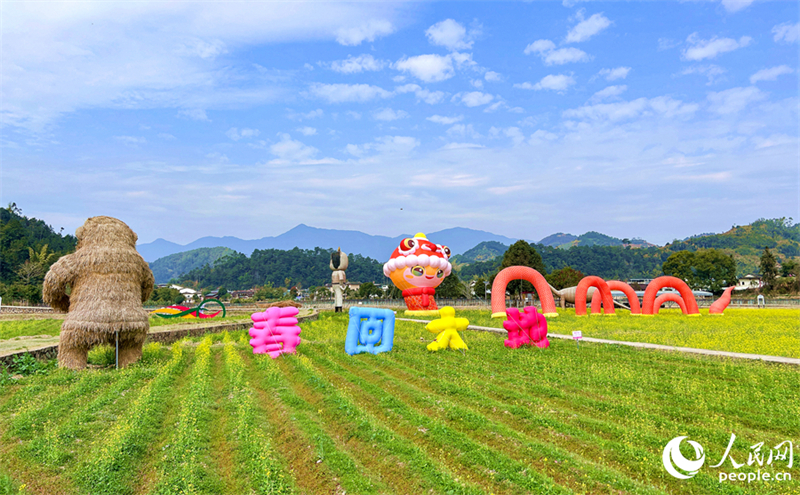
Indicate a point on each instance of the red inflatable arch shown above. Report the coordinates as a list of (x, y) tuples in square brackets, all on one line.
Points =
[(601, 286), (521, 273), (633, 299), (670, 296), (648, 303), (718, 306)]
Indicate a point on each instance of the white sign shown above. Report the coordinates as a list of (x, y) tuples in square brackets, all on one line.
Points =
[(577, 334)]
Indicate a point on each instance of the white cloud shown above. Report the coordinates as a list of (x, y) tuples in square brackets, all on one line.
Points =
[(702, 49), (609, 92), (368, 31), (387, 114), (473, 99), (461, 130), (428, 68), (541, 136), (313, 114), (439, 119), (554, 82), (514, 133), (565, 56), (449, 34), (662, 105), (290, 150), (786, 32), (167, 137), (614, 74), (711, 71), (340, 93), (774, 140), (770, 74), (131, 140), (587, 28), (547, 50), (492, 76), (353, 65), (307, 131), (308, 66), (539, 46), (735, 5), (236, 135), (158, 55), (398, 145), (734, 100), (194, 114), (477, 83), (449, 179), (429, 97)]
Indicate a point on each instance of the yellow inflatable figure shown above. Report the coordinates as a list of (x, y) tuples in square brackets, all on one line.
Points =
[(447, 328)]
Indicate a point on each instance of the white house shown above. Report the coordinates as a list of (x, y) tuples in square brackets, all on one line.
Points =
[(749, 282)]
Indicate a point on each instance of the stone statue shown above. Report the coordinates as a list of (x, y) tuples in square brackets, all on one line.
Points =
[(338, 277)]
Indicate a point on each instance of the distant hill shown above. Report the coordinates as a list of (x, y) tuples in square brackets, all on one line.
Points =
[(747, 242), (174, 265), (566, 241), (304, 237), (484, 251), (558, 239)]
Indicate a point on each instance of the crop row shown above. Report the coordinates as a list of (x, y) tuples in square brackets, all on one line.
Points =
[(108, 470), (259, 462)]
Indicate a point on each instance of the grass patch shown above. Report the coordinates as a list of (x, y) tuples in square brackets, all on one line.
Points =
[(774, 332)]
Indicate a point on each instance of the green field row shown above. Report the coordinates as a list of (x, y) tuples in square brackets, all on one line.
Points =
[(208, 416)]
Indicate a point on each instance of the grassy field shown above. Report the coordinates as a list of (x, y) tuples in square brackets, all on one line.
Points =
[(10, 329), (209, 417), (774, 332)]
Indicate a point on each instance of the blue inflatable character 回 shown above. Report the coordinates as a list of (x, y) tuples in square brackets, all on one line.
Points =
[(369, 330)]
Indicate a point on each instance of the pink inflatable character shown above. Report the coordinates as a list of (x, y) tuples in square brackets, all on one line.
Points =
[(529, 328), (275, 331)]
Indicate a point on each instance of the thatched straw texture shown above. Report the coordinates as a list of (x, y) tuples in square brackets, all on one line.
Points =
[(108, 282)]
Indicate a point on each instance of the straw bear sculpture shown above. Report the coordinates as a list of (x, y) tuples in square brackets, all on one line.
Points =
[(109, 281)]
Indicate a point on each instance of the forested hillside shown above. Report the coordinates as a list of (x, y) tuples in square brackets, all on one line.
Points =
[(175, 265), (28, 247), (303, 267)]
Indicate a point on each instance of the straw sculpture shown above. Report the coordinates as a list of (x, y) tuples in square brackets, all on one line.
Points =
[(108, 283)]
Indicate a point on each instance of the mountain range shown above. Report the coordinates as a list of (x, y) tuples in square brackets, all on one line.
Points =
[(378, 247)]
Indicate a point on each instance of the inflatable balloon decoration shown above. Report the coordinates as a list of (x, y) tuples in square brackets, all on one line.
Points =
[(275, 331), (718, 306), (417, 267), (186, 312), (669, 297), (370, 330), (528, 328), (447, 328)]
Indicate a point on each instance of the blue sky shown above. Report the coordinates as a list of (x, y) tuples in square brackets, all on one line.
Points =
[(651, 119)]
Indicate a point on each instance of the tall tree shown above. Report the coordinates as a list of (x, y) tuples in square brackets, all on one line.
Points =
[(707, 269), (522, 253), (768, 268), (565, 277), (451, 287)]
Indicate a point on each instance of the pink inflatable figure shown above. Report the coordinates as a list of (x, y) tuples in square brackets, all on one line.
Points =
[(275, 331), (528, 328)]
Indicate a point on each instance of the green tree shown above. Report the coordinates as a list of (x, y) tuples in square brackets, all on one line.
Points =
[(564, 277), (394, 292), (480, 288), (768, 268), (713, 270), (522, 253), (707, 269), (789, 268), (680, 265), (451, 287), (368, 289)]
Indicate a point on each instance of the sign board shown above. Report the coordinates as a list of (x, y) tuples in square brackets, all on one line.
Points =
[(577, 334)]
